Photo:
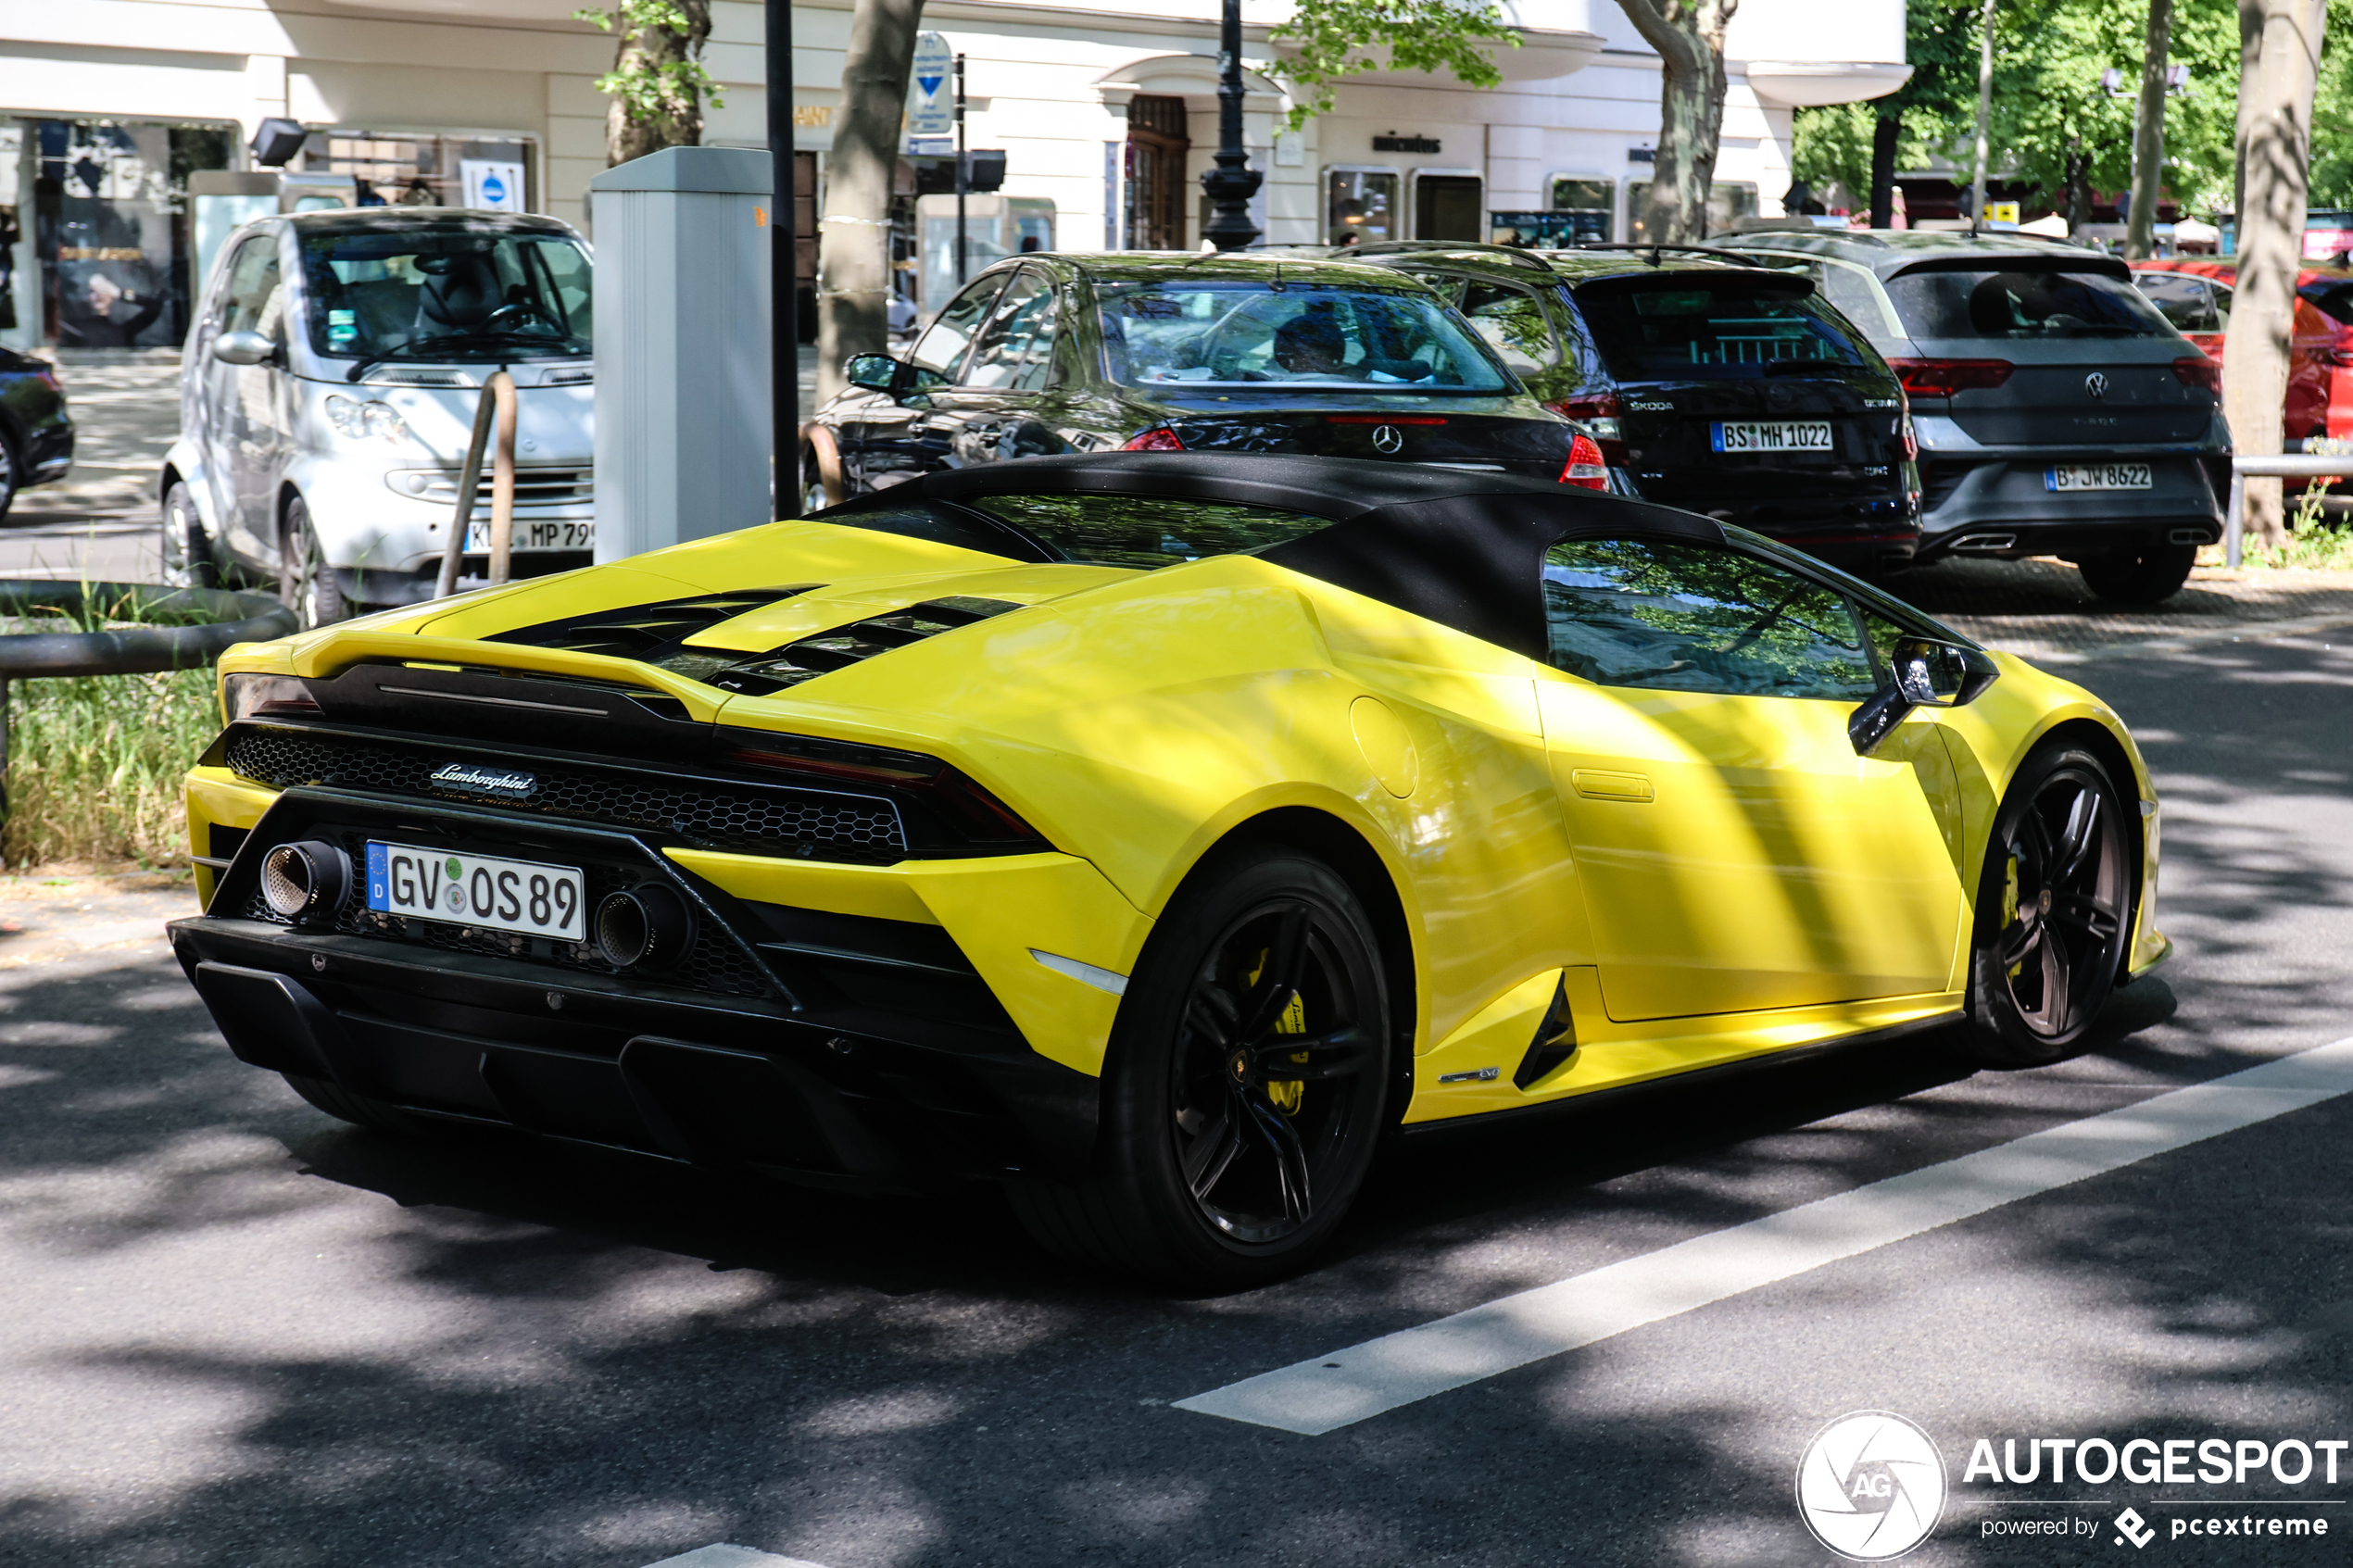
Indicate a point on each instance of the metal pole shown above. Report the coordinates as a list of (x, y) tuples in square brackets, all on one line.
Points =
[(2234, 520), (1984, 116), (963, 170), (784, 268), (1232, 182)]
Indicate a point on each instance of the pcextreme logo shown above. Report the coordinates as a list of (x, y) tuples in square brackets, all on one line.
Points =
[(1871, 1487)]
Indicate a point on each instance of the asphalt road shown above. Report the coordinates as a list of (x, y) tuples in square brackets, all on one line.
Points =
[(238, 1334)]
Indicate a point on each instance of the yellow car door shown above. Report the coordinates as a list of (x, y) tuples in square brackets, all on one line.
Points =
[(1735, 853)]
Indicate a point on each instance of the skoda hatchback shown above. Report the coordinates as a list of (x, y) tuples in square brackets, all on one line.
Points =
[(1724, 389), (2058, 412)]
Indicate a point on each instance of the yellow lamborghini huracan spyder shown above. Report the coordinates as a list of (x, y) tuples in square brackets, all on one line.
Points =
[(1155, 833)]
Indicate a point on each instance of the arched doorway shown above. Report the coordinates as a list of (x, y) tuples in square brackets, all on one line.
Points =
[(1157, 141)]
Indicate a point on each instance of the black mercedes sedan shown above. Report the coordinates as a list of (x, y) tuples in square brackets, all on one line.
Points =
[(1059, 353), (1714, 385), (36, 435)]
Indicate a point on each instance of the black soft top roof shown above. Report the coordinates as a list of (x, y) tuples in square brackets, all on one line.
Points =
[(1461, 548)]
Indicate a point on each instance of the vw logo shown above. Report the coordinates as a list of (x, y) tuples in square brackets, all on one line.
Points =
[(2097, 385), (1871, 1487), (1386, 439)]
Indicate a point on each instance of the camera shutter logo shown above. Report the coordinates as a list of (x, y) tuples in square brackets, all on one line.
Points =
[(2131, 1526), (1387, 439), (1871, 1487)]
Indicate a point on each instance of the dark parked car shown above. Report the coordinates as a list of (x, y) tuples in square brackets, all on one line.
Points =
[(1721, 389), (36, 435), (2058, 412), (1055, 353)]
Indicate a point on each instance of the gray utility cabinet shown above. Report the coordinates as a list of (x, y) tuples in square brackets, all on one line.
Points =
[(683, 422)]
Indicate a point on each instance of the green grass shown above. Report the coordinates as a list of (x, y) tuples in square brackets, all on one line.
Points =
[(2313, 543)]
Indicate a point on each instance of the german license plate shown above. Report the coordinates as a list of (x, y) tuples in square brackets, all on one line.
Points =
[(576, 535), (478, 890), (2097, 476), (1779, 435)]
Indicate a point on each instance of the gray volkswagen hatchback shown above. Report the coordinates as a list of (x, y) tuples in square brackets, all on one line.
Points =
[(2057, 412)]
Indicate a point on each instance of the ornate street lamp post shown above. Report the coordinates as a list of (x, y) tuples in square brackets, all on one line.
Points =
[(1232, 183)]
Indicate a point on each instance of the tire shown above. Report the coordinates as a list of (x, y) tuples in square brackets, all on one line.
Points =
[(2143, 575), (11, 473), (2054, 911), (1212, 1170), (306, 583), (362, 1111), (188, 558)]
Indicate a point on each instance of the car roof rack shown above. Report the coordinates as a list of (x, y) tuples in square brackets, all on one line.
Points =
[(1408, 247), (1722, 251)]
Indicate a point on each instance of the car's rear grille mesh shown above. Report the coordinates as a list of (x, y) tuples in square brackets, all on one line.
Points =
[(816, 823), (714, 962)]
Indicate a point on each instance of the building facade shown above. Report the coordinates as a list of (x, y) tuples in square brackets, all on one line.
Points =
[(113, 112)]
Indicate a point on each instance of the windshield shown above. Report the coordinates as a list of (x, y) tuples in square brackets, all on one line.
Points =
[(2011, 307), (447, 294), (1141, 531), (1728, 329), (1304, 335)]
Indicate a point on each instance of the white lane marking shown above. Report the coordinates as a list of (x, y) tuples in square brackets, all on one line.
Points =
[(725, 1555), (1084, 973), (1328, 1392)]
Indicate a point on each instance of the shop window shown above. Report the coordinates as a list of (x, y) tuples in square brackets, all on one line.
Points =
[(1588, 208), (1158, 139), (1727, 200), (1447, 207), (390, 171), (1360, 207)]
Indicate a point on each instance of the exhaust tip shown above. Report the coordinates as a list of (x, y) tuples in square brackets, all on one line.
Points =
[(2189, 537), (305, 880), (643, 927)]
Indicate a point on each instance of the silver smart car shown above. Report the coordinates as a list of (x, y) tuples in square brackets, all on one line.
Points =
[(328, 393)]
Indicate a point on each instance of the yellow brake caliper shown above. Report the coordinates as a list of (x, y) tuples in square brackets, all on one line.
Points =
[(1286, 1094)]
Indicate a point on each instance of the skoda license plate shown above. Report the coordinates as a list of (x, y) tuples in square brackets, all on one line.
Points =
[(520, 895), (1779, 435), (529, 535), (2097, 476)]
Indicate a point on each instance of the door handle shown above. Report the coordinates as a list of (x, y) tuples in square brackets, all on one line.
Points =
[(1595, 783)]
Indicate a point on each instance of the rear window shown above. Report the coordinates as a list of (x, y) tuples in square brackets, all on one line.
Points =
[(1281, 334), (2011, 307), (2185, 302), (1734, 329), (2333, 299), (1139, 531)]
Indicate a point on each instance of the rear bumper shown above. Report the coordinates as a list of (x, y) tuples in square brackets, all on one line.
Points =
[(2004, 506)]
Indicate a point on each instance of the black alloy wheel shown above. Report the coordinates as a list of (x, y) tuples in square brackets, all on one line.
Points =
[(186, 549), (2141, 574), (2055, 910), (1247, 1084), (306, 585)]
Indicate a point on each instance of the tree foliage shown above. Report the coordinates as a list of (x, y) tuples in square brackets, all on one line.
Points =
[(2332, 111), (658, 84), (1336, 39), (2053, 123)]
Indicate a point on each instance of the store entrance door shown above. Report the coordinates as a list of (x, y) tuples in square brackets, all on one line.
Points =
[(1157, 141)]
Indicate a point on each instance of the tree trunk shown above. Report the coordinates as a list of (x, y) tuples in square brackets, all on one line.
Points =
[(2279, 61), (2148, 145), (1689, 36), (676, 118), (2075, 193), (853, 261), (1887, 132)]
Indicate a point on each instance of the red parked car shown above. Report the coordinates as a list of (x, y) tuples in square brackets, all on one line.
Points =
[(2194, 293)]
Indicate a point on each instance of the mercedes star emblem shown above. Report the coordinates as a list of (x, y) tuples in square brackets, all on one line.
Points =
[(2097, 385), (1386, 439)]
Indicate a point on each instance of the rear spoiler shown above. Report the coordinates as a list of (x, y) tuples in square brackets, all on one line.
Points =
[(2055, 260)]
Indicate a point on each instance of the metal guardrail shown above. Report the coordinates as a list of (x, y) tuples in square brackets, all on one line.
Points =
[(2292, 465), (135, 650)]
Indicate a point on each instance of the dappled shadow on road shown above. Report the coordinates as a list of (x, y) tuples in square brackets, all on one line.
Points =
[(245, 1337)]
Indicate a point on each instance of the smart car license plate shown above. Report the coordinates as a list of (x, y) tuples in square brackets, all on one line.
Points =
[(522, 895), (2097, 476), (581, 535), (1779, 435)]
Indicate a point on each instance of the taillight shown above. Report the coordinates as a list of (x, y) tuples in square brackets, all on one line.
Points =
[(1160, 438), (971, 812), (1599, 415), (1943, 378), (2199, 371), (1584, 468)]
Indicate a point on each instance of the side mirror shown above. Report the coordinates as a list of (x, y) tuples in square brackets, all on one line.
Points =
[(1923, 674), (875, 372), (243, 347)]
